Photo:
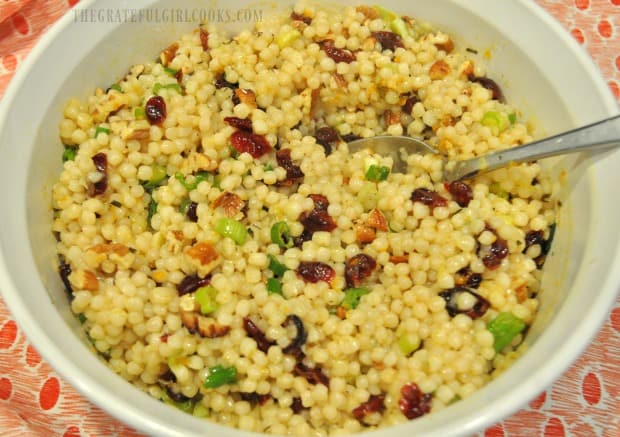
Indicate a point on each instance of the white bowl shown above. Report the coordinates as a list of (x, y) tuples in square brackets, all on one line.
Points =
[(541, 69)]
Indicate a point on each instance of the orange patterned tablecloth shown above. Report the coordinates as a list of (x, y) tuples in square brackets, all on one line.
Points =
[(36, 401)]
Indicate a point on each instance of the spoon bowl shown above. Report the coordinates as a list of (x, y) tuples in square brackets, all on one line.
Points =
[(600, 135)]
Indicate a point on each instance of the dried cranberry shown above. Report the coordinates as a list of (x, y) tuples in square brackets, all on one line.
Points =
[(298, 17), (297, 406), (315, 271), (468, 278), (64, 270), (293, 172), (359, 268), (204, 39), (254, 144), (489, 84), (430, 198), (155, 110), (191, 283), (244, 124), (192, 213), (410, 102), (461, 192), (314, 375), (325, 136), (493, 254), (413, 402), (316, 220), (534, 237), (374, 404), (176, 397), (451, 297), (255, 398), (301, 335), (259, 337), (168, 376), (221, 82), (337, 54), (101, 165), (388, 40)]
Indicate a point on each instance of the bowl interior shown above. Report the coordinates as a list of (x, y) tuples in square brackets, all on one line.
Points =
[(554, 83)]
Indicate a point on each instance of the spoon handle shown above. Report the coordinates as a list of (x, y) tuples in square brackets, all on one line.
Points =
[(596, 136)]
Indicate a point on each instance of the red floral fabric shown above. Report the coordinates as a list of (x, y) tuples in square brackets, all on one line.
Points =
[(36, 401)]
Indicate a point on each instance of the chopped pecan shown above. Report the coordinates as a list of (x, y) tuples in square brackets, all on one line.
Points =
[(139, 134), (399, 259), (204, 252), (231, 203), (84, 280), (368, 11), (246, 96), (299, 17), (106, 248), (168, 54), (391, 118), (447, 46), (439, 70), (377, 220), (364, 233), (205, 326)]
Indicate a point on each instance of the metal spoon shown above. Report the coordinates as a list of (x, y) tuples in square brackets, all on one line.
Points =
[(596, 136)]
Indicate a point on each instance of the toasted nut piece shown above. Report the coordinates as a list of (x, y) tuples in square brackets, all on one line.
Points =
[(377, 220), (340, 80), (84, 280), (117, 248), (397, 259), (205, 326), (204, 252), (466, 69), (230, 203), (447, 46), (391, 118), (168, 54), (368, 11), (364, 234), (246, 96), (439, 70)]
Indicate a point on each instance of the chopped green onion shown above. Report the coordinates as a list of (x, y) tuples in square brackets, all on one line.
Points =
[(68, 154), (285, 39), (268, 166), (496, 188), (276, 267), (184, 205), (274, 286), (152, 210), (377, 173), (139, 112), (101, 130), (505, 327), (116, 87), (512, 118), (409, 343), (198, 178), (399, 27), (81, 318), (368, 196), (281, 235), (232, 229), (494, 120), (200, 410), (352, 297), (206, 298), (170, 71), (116, 203), (158, 176), (385, 14), (220, 375), (169, 86)]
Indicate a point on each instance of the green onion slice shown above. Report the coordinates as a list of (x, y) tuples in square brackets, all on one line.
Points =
[(220, 375), (281, 235), (206, 298), (505, 327), (377, 173), (232, 229), (101, 130), (352, 297)]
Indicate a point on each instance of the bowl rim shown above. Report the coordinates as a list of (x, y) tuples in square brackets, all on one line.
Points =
[(41, 339)]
